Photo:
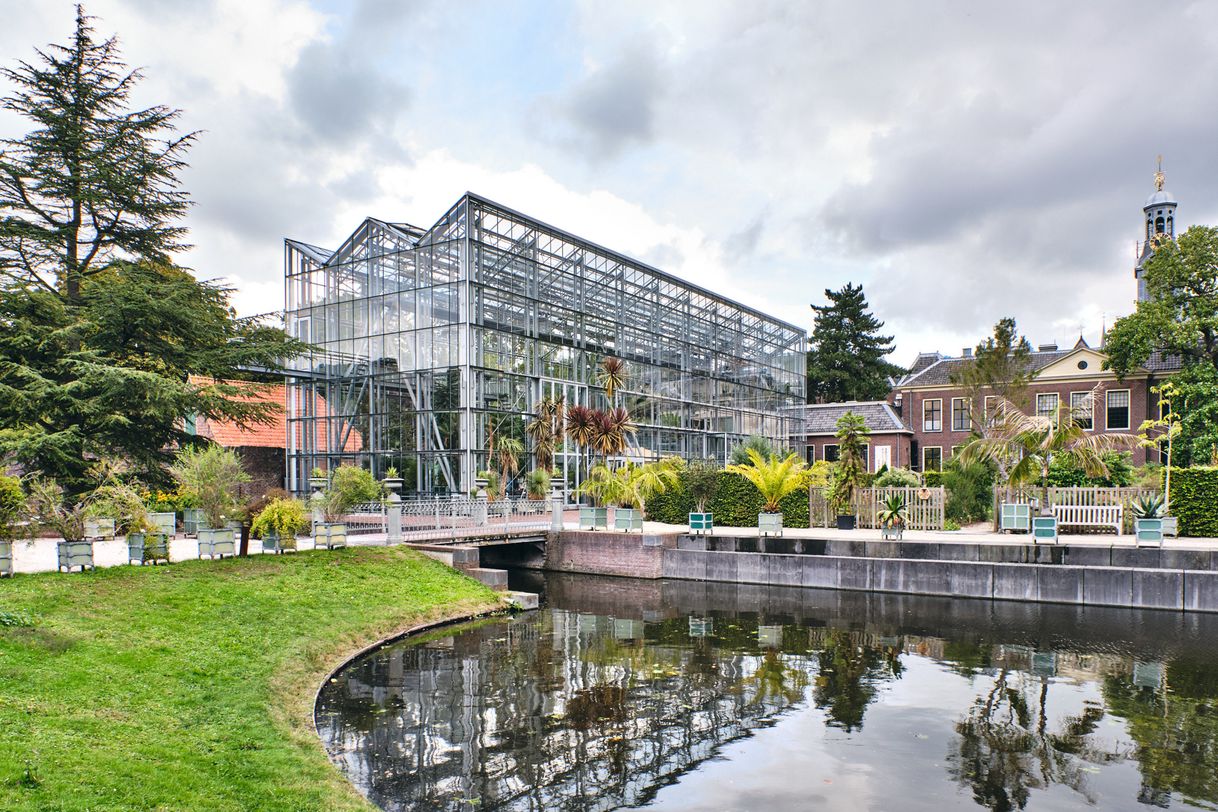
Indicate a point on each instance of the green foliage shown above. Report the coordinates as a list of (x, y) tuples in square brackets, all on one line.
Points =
[(846, 351), (12, 506), (288, 518), (897, 478), (175, 501), (1066, 472), (736, 503), (631, 486), (755, 442), (356, 485), (933, 479), (969, 491), (773, 478), (214, 475), (121, 502), (1194, 500), (1001, 367), (53, 509), (1195, 401), (700, 480), (893, 512), (200, 671), (1147, 506), (537, 483), (1182, 310), (851, 471), (951, 525), (13, 620)]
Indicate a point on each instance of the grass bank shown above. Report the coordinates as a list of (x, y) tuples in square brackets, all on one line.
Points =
[(190, 686)]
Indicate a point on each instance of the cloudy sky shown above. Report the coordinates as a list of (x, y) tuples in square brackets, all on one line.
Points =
[(963, 163)]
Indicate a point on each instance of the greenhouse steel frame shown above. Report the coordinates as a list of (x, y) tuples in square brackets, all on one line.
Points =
[(427, 340)]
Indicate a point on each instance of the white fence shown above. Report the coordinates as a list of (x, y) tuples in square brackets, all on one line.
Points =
[(451, 517), (923, 507)]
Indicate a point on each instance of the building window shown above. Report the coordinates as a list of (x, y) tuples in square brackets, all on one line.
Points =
[(830, 453), (810, 452), (1046, 405), (1117, 418), (932, 415), (991, 409), (932, 458), (960, 418), (1081, 408)]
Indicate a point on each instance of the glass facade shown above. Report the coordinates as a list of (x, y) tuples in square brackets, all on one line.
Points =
[(427, 340)]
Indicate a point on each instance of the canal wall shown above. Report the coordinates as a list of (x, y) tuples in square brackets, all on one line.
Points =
[(1178, 580)]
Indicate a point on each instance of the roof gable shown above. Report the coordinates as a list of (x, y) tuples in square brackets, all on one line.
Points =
[(1083, 362)]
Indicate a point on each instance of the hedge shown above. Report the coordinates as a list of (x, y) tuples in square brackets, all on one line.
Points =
[(735, 505), (1194, 500)]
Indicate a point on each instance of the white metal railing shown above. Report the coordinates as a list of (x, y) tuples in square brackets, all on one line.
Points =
[(448, 517)]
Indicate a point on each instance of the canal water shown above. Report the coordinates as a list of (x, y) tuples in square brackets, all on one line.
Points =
[(623, 694)]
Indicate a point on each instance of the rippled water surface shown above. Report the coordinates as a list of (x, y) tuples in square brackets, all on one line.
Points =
[(624, 694)]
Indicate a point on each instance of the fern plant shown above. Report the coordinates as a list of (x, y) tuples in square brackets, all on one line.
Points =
[(773, 478)]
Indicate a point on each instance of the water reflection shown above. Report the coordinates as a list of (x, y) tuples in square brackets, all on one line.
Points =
[(677, 695)]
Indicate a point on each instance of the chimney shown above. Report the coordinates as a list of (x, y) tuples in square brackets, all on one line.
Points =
[(968, 352), (1047, 347)]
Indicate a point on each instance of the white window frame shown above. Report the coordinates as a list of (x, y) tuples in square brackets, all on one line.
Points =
[(1057, 402), (1128, 410), (887, 449), (1085, 395), (926, 402), (968, 418), (926, 448)]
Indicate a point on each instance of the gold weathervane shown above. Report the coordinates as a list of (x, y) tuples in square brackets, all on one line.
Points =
[(1159, 175)]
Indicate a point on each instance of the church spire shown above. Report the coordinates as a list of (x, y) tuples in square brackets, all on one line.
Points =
[(1159, 215)]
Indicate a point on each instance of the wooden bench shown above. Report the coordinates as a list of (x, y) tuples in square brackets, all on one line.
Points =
[(1090, 516)]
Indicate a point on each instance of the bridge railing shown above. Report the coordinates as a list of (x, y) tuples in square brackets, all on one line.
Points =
[(449, 517)]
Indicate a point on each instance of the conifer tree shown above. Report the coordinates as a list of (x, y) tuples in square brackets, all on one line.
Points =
[(93, 181), (846, 356)]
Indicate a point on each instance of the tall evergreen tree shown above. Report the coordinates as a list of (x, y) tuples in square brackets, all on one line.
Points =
[(94, 181), (105, 346), (846, 357), (1001, 367)]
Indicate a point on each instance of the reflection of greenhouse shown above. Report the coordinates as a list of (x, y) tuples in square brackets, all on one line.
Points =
[(426, 337)]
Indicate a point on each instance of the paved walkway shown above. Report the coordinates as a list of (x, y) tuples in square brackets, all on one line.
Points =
[(40, 555)]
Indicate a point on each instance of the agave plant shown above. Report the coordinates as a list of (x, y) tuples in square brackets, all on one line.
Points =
[(893, 512), (1148, 506), (773, 478)]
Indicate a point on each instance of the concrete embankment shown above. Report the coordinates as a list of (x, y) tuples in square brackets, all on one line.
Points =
[(1115, 575)]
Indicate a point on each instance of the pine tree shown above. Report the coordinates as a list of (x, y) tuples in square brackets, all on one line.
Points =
[(846, 357), (1001, 368), (94, 181)]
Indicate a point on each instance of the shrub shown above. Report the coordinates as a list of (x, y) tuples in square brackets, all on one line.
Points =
[(932, 479), (1194, 500), (1065, 471), (537, 483), (755, 442), (286, 517), (736, 503), (969, 491), (700, 480), (951, 525), (356, 485), (897, 478), (122, 503), (12, 506), (214, 475)]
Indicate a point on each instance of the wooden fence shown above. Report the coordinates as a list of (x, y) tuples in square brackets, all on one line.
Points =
[(1075, 496), (923, 507)]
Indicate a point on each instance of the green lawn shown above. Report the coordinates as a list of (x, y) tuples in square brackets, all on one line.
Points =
[(190, 686)]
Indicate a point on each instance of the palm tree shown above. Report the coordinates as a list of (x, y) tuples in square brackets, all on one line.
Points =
[(541, 431), (507, 453), (612, 431), (773, 478), (612, 376), (632, 485), (605, 486), (580, 423), (1035, 440)]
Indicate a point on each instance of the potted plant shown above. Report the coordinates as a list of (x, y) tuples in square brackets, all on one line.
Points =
[(317, 479), (632, 485), (214, 475), (350, 486), (1160, 435), (392, 482), (1148, 519), (279, 523), (851, 469), (51, 509), (773, 478), (12, 510), (892, 517), (700, 480)]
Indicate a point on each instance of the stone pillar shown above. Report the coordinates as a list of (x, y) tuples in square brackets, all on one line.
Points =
[(557, 502), (393, 519)]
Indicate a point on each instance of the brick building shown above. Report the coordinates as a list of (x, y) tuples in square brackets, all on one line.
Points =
[(813, 428)]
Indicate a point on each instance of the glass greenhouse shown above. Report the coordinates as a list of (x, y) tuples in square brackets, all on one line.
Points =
[(429, 339)]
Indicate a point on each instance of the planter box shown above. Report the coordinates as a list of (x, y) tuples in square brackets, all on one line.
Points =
[(769, 524), (892, 532), (1044, 528), (99, 528), (193, 521), (147, 547), (1016, 518), (847, 522), (331, 535), (1149, 530), (1171, 526), (627, 519), (6, 558), (75, 554), (701, 522), (217, 542), (272, 543), (166, 523), (593, 518)]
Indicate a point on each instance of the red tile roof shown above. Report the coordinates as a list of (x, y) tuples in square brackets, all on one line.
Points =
[(273, 434)]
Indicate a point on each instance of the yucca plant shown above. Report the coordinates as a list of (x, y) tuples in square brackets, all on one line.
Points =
[(893, 512), (1148, 506), (773, 478), (537, 483), (612, 376)]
